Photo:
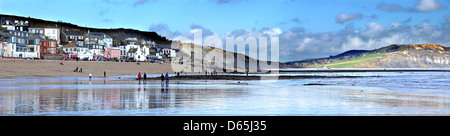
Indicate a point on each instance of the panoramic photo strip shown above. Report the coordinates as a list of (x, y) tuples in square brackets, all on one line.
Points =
[(235, 58)]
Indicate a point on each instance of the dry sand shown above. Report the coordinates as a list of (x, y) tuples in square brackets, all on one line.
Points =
[(13, 68)]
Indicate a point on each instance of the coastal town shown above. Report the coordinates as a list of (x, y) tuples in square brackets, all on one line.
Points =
[(20, 39)]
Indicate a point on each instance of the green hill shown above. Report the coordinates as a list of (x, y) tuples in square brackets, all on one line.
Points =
[(354, 62), (393, 56)]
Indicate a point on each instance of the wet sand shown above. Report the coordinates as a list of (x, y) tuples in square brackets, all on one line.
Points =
[(397, 94), (243, 77), (15, 68), (309, 70)]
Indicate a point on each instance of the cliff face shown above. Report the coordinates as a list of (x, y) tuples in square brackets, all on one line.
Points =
[(210, 59), (413, 58), (394, 56)]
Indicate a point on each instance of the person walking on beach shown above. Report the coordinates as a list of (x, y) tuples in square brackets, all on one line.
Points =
[(162, 78), (139, 77), (145, 76), (167, 77), (81, 70), (90, 76), (104, 73)]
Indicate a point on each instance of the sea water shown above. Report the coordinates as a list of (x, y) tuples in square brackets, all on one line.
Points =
[(376, 93)]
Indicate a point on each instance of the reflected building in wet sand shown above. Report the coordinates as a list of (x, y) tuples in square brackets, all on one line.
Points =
[(101, 99)]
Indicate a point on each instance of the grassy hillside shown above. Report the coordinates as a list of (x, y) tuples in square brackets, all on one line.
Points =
[(354, 62)]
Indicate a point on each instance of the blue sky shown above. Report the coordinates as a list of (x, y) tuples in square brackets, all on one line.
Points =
[(307, 28)]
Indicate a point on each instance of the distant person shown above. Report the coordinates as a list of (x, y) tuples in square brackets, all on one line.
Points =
[(90, 76), (81, 70), (145, 76), (104, 73), (139, 77), (167, 77), (162, 78)]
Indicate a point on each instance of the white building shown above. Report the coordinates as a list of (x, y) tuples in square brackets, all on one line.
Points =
[(99, 38), (168, 53), (20, 44), (75, 50), (137, 52), (154, 54), (8, 23), (36, 30), (52, 32)]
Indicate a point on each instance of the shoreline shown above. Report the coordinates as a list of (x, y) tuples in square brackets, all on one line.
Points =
[(17, 68), (368, 70), (243, 77)]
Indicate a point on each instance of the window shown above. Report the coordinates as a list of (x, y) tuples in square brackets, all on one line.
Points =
[(54, 31)]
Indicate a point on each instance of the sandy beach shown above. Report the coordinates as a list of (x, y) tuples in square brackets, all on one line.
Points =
[(13, 68)]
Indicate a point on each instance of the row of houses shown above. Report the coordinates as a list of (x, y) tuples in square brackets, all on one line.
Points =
[(19, 40)]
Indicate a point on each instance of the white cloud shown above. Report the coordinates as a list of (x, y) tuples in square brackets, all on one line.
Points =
[(344, 17), (352, 43), (421, 6), (428, 6), (295, 44), (273, 32), (373, 29), (303, 44)]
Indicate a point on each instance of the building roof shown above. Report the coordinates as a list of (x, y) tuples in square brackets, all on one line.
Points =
[(71, 45), (33, 36), (74, 44), (9, 19), (132, 50)]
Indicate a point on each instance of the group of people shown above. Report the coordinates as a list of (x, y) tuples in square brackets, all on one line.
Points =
[(212, 73), (78, 70), (166, 77), (163, 77), (140, 76)]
